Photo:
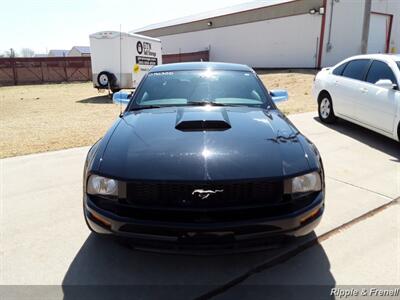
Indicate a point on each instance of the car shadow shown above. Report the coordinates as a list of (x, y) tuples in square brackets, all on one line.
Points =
[(103, 99), (304, 276), (367, 137), (105, 269)]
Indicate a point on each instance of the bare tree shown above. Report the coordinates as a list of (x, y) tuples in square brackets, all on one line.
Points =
[(27, 52)]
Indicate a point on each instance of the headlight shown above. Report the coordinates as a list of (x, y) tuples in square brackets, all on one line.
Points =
[(98, 185), (306, 183)]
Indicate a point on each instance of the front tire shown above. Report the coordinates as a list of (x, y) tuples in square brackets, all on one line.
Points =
[(325, 109)]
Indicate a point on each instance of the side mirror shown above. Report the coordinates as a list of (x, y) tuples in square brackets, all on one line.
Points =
[(121, 98), (385, 83), (279, 95)]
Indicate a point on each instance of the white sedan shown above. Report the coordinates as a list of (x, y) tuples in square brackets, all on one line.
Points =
[(362, 89)]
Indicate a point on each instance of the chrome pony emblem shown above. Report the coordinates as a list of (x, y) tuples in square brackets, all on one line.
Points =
[(204, 194)]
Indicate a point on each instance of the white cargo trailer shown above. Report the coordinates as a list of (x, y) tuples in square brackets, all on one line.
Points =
[(120, 59)]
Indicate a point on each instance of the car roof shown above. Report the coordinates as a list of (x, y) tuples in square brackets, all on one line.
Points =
[(200, 66), (386, 57)]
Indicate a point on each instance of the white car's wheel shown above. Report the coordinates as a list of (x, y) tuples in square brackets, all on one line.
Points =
[(325, 109)]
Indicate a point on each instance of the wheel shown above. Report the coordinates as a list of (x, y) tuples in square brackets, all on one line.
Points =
[(325, 109), (106, 79), (102, 79)]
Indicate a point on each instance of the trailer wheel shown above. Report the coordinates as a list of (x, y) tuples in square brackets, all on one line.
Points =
[(106, 79)]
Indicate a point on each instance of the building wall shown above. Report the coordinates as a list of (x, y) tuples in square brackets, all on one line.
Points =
[(283, 41), (346, 31), (347, 25), (277, 43), (277, 9)]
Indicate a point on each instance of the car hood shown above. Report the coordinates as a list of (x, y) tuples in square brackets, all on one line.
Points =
[(202, 143)]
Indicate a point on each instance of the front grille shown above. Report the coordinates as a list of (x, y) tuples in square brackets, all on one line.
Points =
[(210, 195), (175, 202), (205, 215)]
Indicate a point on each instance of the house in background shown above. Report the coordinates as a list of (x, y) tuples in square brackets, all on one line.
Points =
[(57, 53), (79, 51)]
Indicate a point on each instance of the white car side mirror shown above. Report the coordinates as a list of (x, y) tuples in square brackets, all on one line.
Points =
[(386, 83)]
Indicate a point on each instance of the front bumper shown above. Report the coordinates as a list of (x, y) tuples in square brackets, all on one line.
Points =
[(204, 238)]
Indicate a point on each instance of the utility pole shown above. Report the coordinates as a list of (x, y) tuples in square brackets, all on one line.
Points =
[(365, 31)]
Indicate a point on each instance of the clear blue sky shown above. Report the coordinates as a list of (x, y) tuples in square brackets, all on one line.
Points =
[(61, 24)]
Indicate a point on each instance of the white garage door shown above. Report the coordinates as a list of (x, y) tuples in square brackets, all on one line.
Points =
[(378, 33)]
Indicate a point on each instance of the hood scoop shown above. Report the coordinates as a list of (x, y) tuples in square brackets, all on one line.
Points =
[(200, 119), (202, 125)]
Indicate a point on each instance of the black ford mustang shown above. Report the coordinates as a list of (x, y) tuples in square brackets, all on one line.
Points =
[(202, 160)]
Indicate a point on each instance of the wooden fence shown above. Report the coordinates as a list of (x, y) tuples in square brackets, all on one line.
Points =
[(30, 70), (37, 70)]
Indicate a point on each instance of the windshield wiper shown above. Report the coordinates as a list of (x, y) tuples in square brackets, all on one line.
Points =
[(202, 103), (205, 102), (144, 107)]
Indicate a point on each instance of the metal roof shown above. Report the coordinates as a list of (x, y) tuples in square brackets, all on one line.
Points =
[(57, 52), (82, 49), (110, 34), (214, 13), (200, 66)]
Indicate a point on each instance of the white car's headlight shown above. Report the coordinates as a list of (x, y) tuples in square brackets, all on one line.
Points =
[(306, 183), (98, 185)]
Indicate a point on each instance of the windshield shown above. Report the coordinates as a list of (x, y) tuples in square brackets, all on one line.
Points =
[(200, 87)]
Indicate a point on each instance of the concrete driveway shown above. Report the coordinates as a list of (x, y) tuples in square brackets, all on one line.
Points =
[(45, 242)]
